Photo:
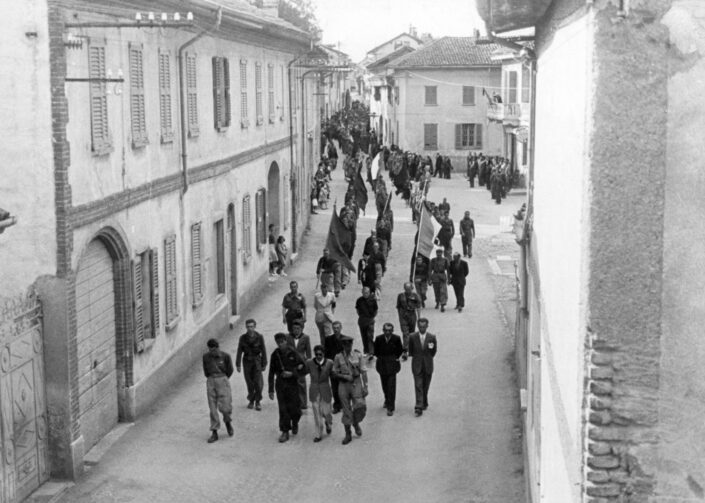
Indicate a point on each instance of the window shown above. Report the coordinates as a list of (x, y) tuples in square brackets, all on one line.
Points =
[(378, 93), (196, 265), (524, 153), (258, 94), (468, 95), (525, 83), (246, 229), (221, 93), (165, 120), (431, 95), (261, 217), (512, 97), (219, 236), (171, 302), (283, 94), (270, 94), (145, 270), (244, 121), (191, 96), (396, 95), (468, 136), (430, 136), (138, 124), (100, 135)]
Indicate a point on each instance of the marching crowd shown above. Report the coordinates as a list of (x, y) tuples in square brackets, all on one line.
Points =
[(337, 379)]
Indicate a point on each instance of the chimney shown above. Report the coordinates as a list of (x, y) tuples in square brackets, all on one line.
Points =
[(412, 31), (270, 7)]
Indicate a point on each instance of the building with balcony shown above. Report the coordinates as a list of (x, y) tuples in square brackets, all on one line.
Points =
[(611, 304)]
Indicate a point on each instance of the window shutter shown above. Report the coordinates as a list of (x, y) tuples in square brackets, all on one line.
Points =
[(258, 93), (154, 255), (468, 95), (246, 228), (458, 136), (478, 135), (258, 218), (137, 306), (171, 304), (100, 137), (137, 100), (192, 96), (196, 265), (226, 91), (270, 93), (244, 122), (165, 119), (217, 92)]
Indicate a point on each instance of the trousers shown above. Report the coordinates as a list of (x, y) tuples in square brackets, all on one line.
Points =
[(467, 245), (321, 415), (422, 382), (389, 388), (289, 404), (367, 333), (220, 398), (252, 371), (440, 290), (459, 294)]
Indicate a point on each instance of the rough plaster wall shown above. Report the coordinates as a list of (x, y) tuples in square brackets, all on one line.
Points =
[(682, 395), (626, 192), (27, 249)]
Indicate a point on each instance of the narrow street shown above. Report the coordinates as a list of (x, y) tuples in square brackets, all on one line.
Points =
[(465, 448)]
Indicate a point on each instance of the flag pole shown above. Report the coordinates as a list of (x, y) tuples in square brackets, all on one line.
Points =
[(416, 248)]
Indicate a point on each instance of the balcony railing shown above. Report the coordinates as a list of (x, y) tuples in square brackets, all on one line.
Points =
[(508, 112)]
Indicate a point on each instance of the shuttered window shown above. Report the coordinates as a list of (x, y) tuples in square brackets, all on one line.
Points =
[(525, 83), (191, 96), (468, 136), (221, 93), (138, 122), (165, 116), (137, 303), (258, 94), (154, 290), (431, 95), (100, 134), (468, 95), (430, 136), (283, 97), (219, 256), (196, 264), (246, 229), (261, 216), (270, 94), (145, 272), (170, 289), (512, 97), (244, 121)]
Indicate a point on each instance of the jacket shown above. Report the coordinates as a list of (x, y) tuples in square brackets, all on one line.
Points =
[(320, 380), (422, 356), (388, 354)]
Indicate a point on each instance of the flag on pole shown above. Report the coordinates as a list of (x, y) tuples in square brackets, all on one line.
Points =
[(428, 229), (339, 240), (360, 192)]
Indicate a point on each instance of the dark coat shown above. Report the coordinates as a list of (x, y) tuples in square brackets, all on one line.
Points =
[(458, 272), (388, 354), (422, 356)]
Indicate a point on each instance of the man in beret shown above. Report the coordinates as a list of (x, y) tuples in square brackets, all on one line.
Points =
[(285, 366), (218, 367)]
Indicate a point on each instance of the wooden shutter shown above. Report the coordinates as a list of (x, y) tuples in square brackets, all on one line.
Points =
[(154, 277), (138, 124), (430, 134), (246, 228), (226, 92), (243, 94), (218, 92), (512, 87), (100, 137), (458, 136), (196, 264), (192, 95), (258, 93), (270, 93), (258, 218), (137, 304), (478, 135), (165, 116), (525, 83), (171, 304), (431, 95)]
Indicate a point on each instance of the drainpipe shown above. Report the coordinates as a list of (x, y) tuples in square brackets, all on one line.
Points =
[(182, 96), (294, 241)]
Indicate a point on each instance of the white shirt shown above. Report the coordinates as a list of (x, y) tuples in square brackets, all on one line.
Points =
[(422, 337)]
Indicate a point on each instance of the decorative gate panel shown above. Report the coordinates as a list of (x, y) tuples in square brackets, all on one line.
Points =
[(22, 404)]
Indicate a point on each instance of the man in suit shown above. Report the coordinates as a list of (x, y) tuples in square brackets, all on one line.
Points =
[(320, 391), (388, 349), (302, 344), (422, 349), (458, 271)]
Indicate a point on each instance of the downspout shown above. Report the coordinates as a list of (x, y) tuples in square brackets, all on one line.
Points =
[(182, 96), (292, 178)]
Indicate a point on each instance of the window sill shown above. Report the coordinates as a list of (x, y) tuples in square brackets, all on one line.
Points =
[(244, 124), (148, 343), (222, 129), (193, 133), (171, 326), (260, 121), (101, 151), (197, 303), (272, 120), (141, 143), (469, 104), (430, 104)]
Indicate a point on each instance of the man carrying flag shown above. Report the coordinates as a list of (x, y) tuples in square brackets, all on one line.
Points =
[(339, 240)]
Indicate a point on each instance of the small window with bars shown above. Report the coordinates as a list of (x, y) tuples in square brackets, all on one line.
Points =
[(261, 217), (165, 116), (258, 94), (244, 121), (246, 229), (138, 122), (431, 95), (101, 143), (221, 93), (270, 94), (192, 95), (145, 283), (196, 264), (171, 302)]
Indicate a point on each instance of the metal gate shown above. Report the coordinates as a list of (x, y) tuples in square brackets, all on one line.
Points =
[(23, 442)]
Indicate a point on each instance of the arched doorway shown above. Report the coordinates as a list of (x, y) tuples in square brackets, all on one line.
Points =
[(232, 291), (273, 211)]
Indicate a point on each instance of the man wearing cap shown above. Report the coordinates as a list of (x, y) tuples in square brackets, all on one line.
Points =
[(293, 306), (366, 307), (408, 303), (331, 347), (420, 277), (467, 234), (422, 349), (302, 344), (218, 367), (252, 354), (439, 279), (286, 365), (349, 369), (320, 392), (388, 349), (328, 272), (458, 271)]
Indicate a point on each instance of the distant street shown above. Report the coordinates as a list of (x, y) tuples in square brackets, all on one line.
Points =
[(465, 448)]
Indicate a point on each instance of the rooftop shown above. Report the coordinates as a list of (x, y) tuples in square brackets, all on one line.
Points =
[(450, 52)]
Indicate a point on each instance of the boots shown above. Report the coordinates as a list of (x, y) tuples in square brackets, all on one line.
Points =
[(358, 430), (348, 435), (214, 437)]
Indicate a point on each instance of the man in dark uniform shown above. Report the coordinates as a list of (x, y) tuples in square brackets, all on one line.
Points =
[(218, 367), (444, 207), (369, 242), (445, 235), (286, 365), (253, 356), (378, 263), (439, 279), (293, 307), (328, 272), (366, 307), (421, 278), (458, 271), (407, 305), (439, 166), (334, 345), (467, 234), (388, 348)]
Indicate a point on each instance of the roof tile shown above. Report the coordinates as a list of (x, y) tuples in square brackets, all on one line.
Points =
[(450, 51)]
